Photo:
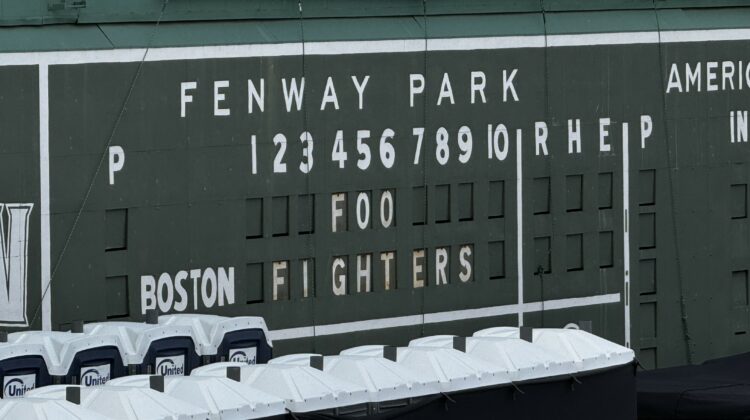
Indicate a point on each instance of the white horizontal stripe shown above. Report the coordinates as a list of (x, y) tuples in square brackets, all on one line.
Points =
[(614, 38), (705, 35), (290, 333), (485, 43), (438, 317), (364, 47)]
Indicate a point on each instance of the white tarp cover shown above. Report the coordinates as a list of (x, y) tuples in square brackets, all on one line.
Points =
[(45, 409), (519, 359), (136, 337), (586, 350), (226, 398), (454, 370), (61, 347), (128, 403), (209, 330), (303, 388)]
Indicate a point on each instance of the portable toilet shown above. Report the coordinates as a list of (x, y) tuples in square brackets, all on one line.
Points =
[(453, 369), (152, 348), (519, 359), (45, 409), (304, 389), (222, 397), (125, 403), (77, 358), (23, 367), (390, 385), (585, 350), (221, 339)]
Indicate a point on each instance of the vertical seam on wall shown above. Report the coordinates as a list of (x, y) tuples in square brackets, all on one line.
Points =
[(424, 170), (308, 239), (670, 178)]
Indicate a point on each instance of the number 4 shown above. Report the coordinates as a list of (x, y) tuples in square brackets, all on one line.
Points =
[(338, 153)]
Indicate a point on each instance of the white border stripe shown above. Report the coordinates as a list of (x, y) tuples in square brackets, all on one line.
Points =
[(626, 230), (705, 35), (366, 47), (439, 317), (44, 195), (485, 43), (363, 47), (614, 38), (519, 224)]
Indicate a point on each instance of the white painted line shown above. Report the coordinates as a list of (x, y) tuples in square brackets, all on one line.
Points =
[(705, 35), (292, 333), (614, 38), (439, 317), (44, 195), (126, 55), (364, 47), (399, 321), (626, 230), (519, 223), (485, 43)]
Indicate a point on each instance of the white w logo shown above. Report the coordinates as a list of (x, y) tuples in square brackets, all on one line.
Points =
[(14, 247)]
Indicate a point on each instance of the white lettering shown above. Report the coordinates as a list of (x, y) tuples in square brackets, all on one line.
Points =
[(574, 137), (116, 162), (329, 95), (337, 211), (508, 85), (478, 83), (209, 279), (416, 87), (364, 278), (185, 98), (293, 92), (254, 96), (219, 97), (446, 91), (360, 87), (441, 263), (540, 131), (603, 134), (646, 128), (363, 211)]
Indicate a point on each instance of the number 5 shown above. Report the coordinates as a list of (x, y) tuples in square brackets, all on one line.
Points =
[(363, 149)]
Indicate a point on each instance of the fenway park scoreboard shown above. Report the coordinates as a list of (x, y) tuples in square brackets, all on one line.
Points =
[(370, 190)]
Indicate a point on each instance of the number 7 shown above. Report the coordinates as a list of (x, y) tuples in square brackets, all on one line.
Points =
[(419, 132)]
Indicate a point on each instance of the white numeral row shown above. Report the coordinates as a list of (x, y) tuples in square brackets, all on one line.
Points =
[(497, 148)]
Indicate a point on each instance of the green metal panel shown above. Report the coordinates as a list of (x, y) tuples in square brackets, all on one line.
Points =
[(600, 22), (485, 25), (681, 19)]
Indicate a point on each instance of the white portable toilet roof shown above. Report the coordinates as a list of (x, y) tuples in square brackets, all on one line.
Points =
[(61, 347), (384, 380), (127, 403), (520, 359), (11, 350), (223, 397), (136, 337), (454, 370), (303, 388), (586, 350), (209, 330), (45, 409)]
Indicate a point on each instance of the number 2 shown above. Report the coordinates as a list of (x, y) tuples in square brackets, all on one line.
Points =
[(278, 165)]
